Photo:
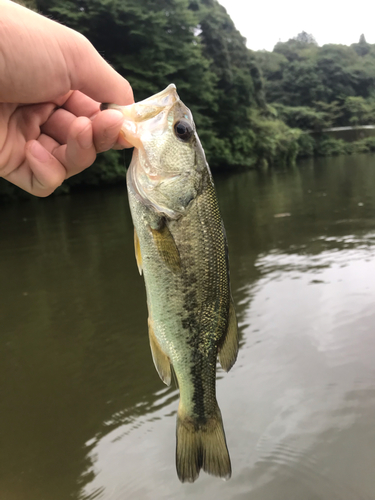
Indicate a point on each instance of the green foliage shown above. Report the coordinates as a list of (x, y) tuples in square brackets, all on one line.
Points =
[(227, 136), (324, 145), (192, 43), (299, 73), (306, 145), (333, 110), (362, 48), (303, 117), (150, 43), (314, 88), (327, 146), (358, 111), (305, 38), (274, 142), (367, 144)]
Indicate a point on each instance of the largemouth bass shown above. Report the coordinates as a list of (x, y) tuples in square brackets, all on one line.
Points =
[(181, 249)]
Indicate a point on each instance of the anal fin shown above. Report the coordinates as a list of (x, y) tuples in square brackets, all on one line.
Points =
[(138, 255), (167, 248), (161, 360), (228, 349)]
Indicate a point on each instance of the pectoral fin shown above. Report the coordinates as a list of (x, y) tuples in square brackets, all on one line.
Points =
[(167, 248), (138, 255), (229, 348), (161, 360)]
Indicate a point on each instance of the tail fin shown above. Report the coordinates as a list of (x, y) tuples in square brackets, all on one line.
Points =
[(201, 446)]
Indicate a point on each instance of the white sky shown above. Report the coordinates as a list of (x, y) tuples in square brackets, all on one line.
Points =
[(264, 22)]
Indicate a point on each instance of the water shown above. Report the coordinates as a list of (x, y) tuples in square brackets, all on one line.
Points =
[(83, 413)]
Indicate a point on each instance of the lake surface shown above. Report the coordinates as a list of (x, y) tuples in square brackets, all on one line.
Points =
[(83, 413)]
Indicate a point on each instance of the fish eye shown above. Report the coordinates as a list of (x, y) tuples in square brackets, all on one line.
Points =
[(183, 130)]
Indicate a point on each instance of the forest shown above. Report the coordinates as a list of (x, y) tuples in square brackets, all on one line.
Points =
[(313, 88), (251, 108)]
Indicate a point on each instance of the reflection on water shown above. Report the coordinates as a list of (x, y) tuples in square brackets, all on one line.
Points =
[(83, 414)]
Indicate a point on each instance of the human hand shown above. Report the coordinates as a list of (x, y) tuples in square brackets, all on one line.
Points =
[(52, 81)]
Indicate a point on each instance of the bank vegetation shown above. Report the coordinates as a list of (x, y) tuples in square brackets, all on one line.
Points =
[(250, 108)]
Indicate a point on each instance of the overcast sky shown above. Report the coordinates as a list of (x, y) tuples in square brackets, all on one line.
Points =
[(264, 23)]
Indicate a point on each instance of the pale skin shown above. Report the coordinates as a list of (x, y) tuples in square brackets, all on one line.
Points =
[(52, 82)]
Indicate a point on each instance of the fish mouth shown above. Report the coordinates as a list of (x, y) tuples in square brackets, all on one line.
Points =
[(147, 110), (152, 106)]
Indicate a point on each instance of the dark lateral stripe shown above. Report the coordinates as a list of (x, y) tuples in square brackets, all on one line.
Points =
[(199, 395), (203, 375)]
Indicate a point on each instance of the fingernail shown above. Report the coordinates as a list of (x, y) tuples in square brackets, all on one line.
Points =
[(84, 138), (38, 151)]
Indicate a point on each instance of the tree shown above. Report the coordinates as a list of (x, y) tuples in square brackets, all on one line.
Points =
[(192, 43), (305, 38), (312, 86), (362, 47)]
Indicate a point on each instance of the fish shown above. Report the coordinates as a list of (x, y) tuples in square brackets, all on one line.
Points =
[(181, 249)]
